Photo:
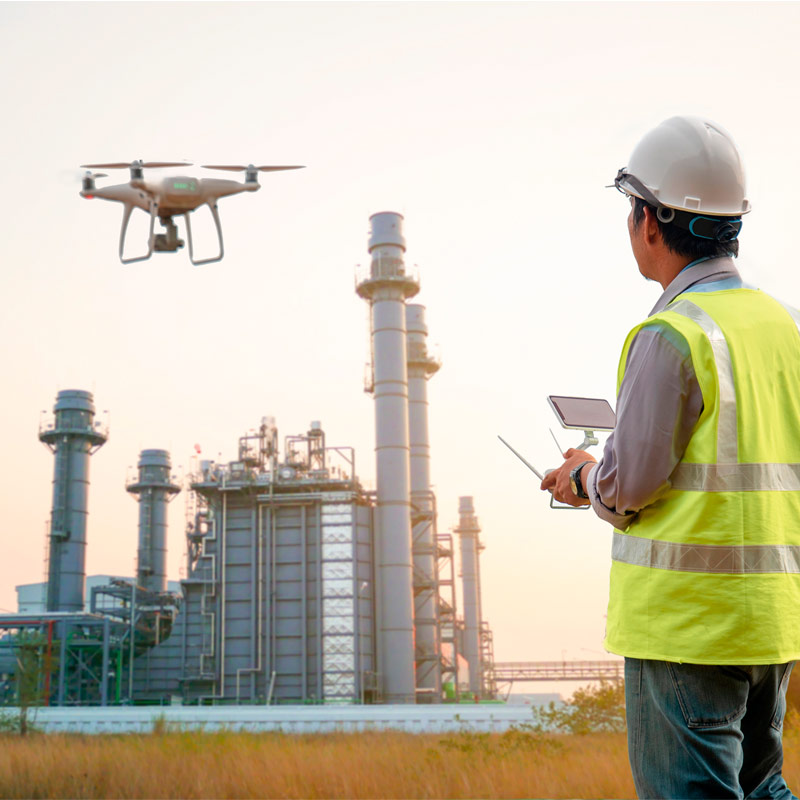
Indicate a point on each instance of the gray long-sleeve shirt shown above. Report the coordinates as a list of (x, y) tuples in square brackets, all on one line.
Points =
[(658, 405)]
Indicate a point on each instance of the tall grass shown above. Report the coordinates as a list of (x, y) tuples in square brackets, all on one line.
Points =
[(361, 765)]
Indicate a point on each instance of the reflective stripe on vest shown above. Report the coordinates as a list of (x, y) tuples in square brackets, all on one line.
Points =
[(724, 559), (736, 477), (727, 475), (727, 435)]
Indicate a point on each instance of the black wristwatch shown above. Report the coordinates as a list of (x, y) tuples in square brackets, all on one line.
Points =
[(575, 481)]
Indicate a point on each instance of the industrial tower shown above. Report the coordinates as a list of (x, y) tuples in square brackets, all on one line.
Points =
[(387, 288), (153, 489), (468, 531), (73, 436), (421, 365)]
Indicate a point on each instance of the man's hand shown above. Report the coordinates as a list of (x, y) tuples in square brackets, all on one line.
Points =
[(557, 482)]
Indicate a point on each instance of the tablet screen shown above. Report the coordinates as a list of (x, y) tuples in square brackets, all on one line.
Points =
[(584, 413)]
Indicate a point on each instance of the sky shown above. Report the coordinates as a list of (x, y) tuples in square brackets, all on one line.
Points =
[(492, 127)]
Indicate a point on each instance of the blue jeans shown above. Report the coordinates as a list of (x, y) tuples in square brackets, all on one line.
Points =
[(697, 731)]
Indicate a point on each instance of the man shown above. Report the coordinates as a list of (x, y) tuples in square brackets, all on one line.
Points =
[(701, 481)]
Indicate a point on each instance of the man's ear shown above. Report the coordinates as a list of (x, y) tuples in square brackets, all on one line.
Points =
[(651, 230)]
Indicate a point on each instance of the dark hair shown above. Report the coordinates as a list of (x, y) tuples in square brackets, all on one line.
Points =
[(680, 241)]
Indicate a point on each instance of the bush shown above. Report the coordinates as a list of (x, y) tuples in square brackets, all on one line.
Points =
[(595, 709)]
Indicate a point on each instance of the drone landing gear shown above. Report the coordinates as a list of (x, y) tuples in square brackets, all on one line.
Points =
[(168, 242), (215, 214)]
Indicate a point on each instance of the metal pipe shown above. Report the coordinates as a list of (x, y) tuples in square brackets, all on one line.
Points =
[(319, 602), (469, 530), (304, 599), (104, 678), (255, 607), (48, 662), (421, 366), (273, 600), (62, 662), (268, 573), (133, 636), (386, 290), (222, 609)]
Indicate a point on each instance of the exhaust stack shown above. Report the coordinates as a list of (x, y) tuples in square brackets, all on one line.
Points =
[(386, 289), (468, 530), (73, 437), (154, 489), (421, 365)]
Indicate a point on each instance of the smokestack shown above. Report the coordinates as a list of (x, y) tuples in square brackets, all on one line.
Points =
[(154, 490), (468, 530), (426, 623), (386, 289), (73, 437)]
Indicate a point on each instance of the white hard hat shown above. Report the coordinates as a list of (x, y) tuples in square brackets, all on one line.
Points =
[(688, 164)]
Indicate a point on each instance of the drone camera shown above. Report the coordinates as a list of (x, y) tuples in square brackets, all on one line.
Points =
[(251, 175), (166, 244)]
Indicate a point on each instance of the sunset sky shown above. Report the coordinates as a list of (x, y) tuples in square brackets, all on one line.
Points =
[(492, 127)]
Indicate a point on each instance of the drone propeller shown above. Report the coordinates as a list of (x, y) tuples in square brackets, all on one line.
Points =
[(248, 168), (140, 164)]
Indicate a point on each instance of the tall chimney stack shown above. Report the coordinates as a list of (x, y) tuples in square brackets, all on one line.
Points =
[(154, 489), (386, 289), (73, 437), (468, 530), (421, 365)]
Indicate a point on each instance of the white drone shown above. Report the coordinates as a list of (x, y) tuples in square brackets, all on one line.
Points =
[(167, 198)]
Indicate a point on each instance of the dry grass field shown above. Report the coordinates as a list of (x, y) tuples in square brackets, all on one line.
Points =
[(365, 765)]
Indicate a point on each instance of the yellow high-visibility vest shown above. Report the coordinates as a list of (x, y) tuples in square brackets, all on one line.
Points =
[(709, 573)]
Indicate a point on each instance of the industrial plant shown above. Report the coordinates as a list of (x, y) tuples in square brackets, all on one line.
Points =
[(301, 587)]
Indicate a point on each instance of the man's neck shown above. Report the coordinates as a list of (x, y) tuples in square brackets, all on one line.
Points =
[(668, 266)]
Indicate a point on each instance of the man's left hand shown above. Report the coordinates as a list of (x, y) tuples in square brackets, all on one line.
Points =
[(557, 482)]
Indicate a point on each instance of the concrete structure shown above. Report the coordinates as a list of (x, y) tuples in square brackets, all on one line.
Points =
[(421, 365), (468, 531), (73, 437), (386, 289), (153, 488), (484, 717)]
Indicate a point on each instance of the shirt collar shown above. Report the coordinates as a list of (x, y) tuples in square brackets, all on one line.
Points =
[(714, 268)]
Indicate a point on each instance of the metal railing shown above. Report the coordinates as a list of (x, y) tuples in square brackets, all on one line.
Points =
[(512, 671)]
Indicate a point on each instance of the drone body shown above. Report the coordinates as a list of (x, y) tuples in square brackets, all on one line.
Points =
[(167, 198)]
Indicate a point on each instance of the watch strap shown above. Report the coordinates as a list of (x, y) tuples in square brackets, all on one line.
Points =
[(575, 478)]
